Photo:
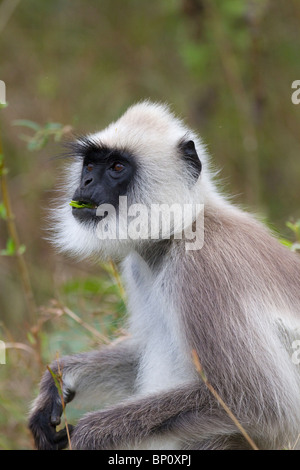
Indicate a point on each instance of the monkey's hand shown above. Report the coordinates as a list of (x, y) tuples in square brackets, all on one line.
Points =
[(46, 415)]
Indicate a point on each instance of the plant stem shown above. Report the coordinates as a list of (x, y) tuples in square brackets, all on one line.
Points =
[(117, 278), (12, 230), (85, 325)]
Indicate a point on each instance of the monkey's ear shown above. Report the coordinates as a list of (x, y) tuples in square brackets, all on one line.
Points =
[(189, 153)]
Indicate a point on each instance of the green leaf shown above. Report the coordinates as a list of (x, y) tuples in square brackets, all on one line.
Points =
[(27, 123), (81, 205), (3, 214), (295, 227), (290, 225), (10, 249), (285, 242), (56, 381), (31, 338), (53, 126), (36, 143)]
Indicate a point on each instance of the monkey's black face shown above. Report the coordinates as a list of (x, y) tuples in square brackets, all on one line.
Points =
[(106, 175)]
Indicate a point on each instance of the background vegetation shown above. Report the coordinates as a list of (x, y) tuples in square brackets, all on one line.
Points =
[(226, 66)]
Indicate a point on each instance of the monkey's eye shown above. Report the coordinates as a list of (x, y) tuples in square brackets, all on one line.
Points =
[(117, 166), (90, 167)]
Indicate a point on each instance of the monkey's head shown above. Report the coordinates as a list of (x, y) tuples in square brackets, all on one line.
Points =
[(147, 157)]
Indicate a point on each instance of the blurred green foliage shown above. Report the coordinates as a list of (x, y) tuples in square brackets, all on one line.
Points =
[(42, 134), (295, 228), (73, 67)]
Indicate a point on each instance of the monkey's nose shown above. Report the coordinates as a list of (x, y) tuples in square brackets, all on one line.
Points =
[(86, 182)]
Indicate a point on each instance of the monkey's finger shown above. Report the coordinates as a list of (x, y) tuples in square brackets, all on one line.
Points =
[(56, 413), (61, 438)]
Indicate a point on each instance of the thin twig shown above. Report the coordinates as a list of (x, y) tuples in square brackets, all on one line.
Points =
[(57, 377), (296, 443), (60, 310), (85, 325), (219, 399), (63, 402), (22, 346), (12, 230), (117, 277)]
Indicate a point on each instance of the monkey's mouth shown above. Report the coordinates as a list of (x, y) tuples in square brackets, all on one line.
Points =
[(83, 205), (84, 210)]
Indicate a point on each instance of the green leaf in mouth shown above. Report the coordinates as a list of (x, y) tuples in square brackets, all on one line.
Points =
[(81, 205)]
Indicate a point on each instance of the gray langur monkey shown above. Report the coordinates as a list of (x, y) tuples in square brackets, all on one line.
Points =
[(235, 301)]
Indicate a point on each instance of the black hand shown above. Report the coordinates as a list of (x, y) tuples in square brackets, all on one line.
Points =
[(47, 415)]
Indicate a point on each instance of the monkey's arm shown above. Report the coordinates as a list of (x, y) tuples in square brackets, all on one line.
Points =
[(107, 375), (186, 412)]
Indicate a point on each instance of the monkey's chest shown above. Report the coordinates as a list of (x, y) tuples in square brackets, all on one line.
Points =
[(155, 324), (165, 362)]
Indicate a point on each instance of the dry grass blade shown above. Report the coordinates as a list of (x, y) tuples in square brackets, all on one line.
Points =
[(85, 325), (13, 233), (58, 310), (296, 442), (22, 346), (63, 404), (59, 385), (117, 278), (219, 399)]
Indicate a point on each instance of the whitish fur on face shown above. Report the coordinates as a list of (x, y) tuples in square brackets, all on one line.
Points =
[(151, 133)]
